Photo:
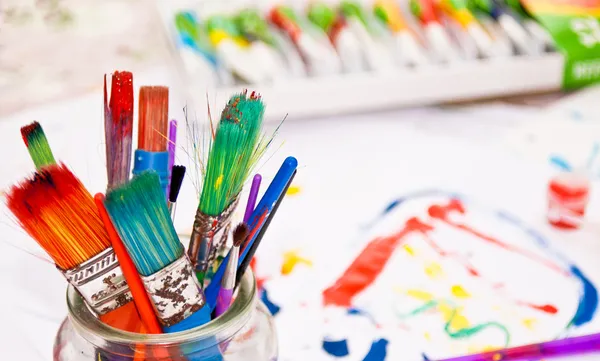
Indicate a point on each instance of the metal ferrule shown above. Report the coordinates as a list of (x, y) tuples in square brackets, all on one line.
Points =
[(209, 235), (100, 282), (175, 291), (228, 281)]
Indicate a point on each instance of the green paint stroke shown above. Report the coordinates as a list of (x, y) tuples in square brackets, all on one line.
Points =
[(463, 332)]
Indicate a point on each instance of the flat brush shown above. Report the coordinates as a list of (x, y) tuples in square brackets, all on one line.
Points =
[(55, 209), (240, 233), (37, 145), (151, 150), (177, 175), (274, 192), (118, 127), (140, 216), (235, 150)]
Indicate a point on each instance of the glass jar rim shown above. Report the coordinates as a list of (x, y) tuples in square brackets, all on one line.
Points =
[(97, 332)]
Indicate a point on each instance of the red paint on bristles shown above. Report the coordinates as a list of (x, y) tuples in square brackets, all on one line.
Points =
[(118, 127), (153, 118), (58, 212), (27, 129)]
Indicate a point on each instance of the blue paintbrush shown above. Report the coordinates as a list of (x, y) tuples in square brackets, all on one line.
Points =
[(139, 213), (260, 217)]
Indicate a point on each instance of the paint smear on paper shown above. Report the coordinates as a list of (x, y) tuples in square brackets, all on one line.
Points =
[(433, 270), (291, 259), (459, 292), (368, 265), (336, 348), (293, 190), (420, 295)]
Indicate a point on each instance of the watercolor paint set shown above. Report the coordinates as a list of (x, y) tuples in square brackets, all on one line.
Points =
[(353, 55)]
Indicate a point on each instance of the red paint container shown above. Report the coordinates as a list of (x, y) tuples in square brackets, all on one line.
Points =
[(568, 196)]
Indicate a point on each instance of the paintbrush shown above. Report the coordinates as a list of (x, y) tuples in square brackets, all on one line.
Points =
[(152, 133), (252, 197), (56, 210), (118, 127), (37, 145), (250, 249), (177, 175), (172, 145), (140, 216), (556, 348), (229, 279), (274, 192), (235, 150)]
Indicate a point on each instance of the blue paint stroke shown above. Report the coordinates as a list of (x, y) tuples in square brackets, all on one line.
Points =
[(273, 308), (358, 312), (588, 301), (378, 350), (425, 358), (336, 348), (561, 163)]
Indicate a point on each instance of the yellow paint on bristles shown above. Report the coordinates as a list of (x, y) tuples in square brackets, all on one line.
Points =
[(219, 182), (459, 292)]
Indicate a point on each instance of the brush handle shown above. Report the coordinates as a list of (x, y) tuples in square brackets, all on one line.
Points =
[(223, 301), (209, 353), (272, 194), (156, 161)]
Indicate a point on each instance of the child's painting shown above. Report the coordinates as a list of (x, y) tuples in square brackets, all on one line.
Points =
[(436, 275)]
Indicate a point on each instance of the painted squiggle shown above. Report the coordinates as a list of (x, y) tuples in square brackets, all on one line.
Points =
[(463, 332)]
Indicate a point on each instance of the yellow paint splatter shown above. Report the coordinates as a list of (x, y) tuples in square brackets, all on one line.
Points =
[(481, 349), (409, 249), (529, 323), (433, 270), (427, 336), (293, 190), (453, 315), (291, 259), (460, 292), (420, 295), (218, 182)]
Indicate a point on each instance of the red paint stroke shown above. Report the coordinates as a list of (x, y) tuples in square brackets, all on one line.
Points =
[(442, 213), (456, 256), (544, 308), (368, 265)]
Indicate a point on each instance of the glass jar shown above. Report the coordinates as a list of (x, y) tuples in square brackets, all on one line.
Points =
[(244, 332)]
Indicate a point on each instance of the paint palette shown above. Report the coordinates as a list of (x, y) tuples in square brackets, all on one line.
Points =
[(437, 275)]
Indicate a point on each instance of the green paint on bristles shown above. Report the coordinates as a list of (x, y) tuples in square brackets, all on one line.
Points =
[(139, 213), (237, 147), (37, 145)]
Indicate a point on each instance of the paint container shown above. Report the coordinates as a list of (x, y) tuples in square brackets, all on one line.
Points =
[(568, 196), (247, 328)]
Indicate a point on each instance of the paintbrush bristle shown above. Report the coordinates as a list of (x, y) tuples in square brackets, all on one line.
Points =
[(153, 118), (240, 233), (37, 145), (139, 212), (177, 174), (232, 154), (118, 127), (58, 212)]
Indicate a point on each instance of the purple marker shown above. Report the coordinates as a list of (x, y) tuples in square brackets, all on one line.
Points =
[(252, 197), (171, 146)]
